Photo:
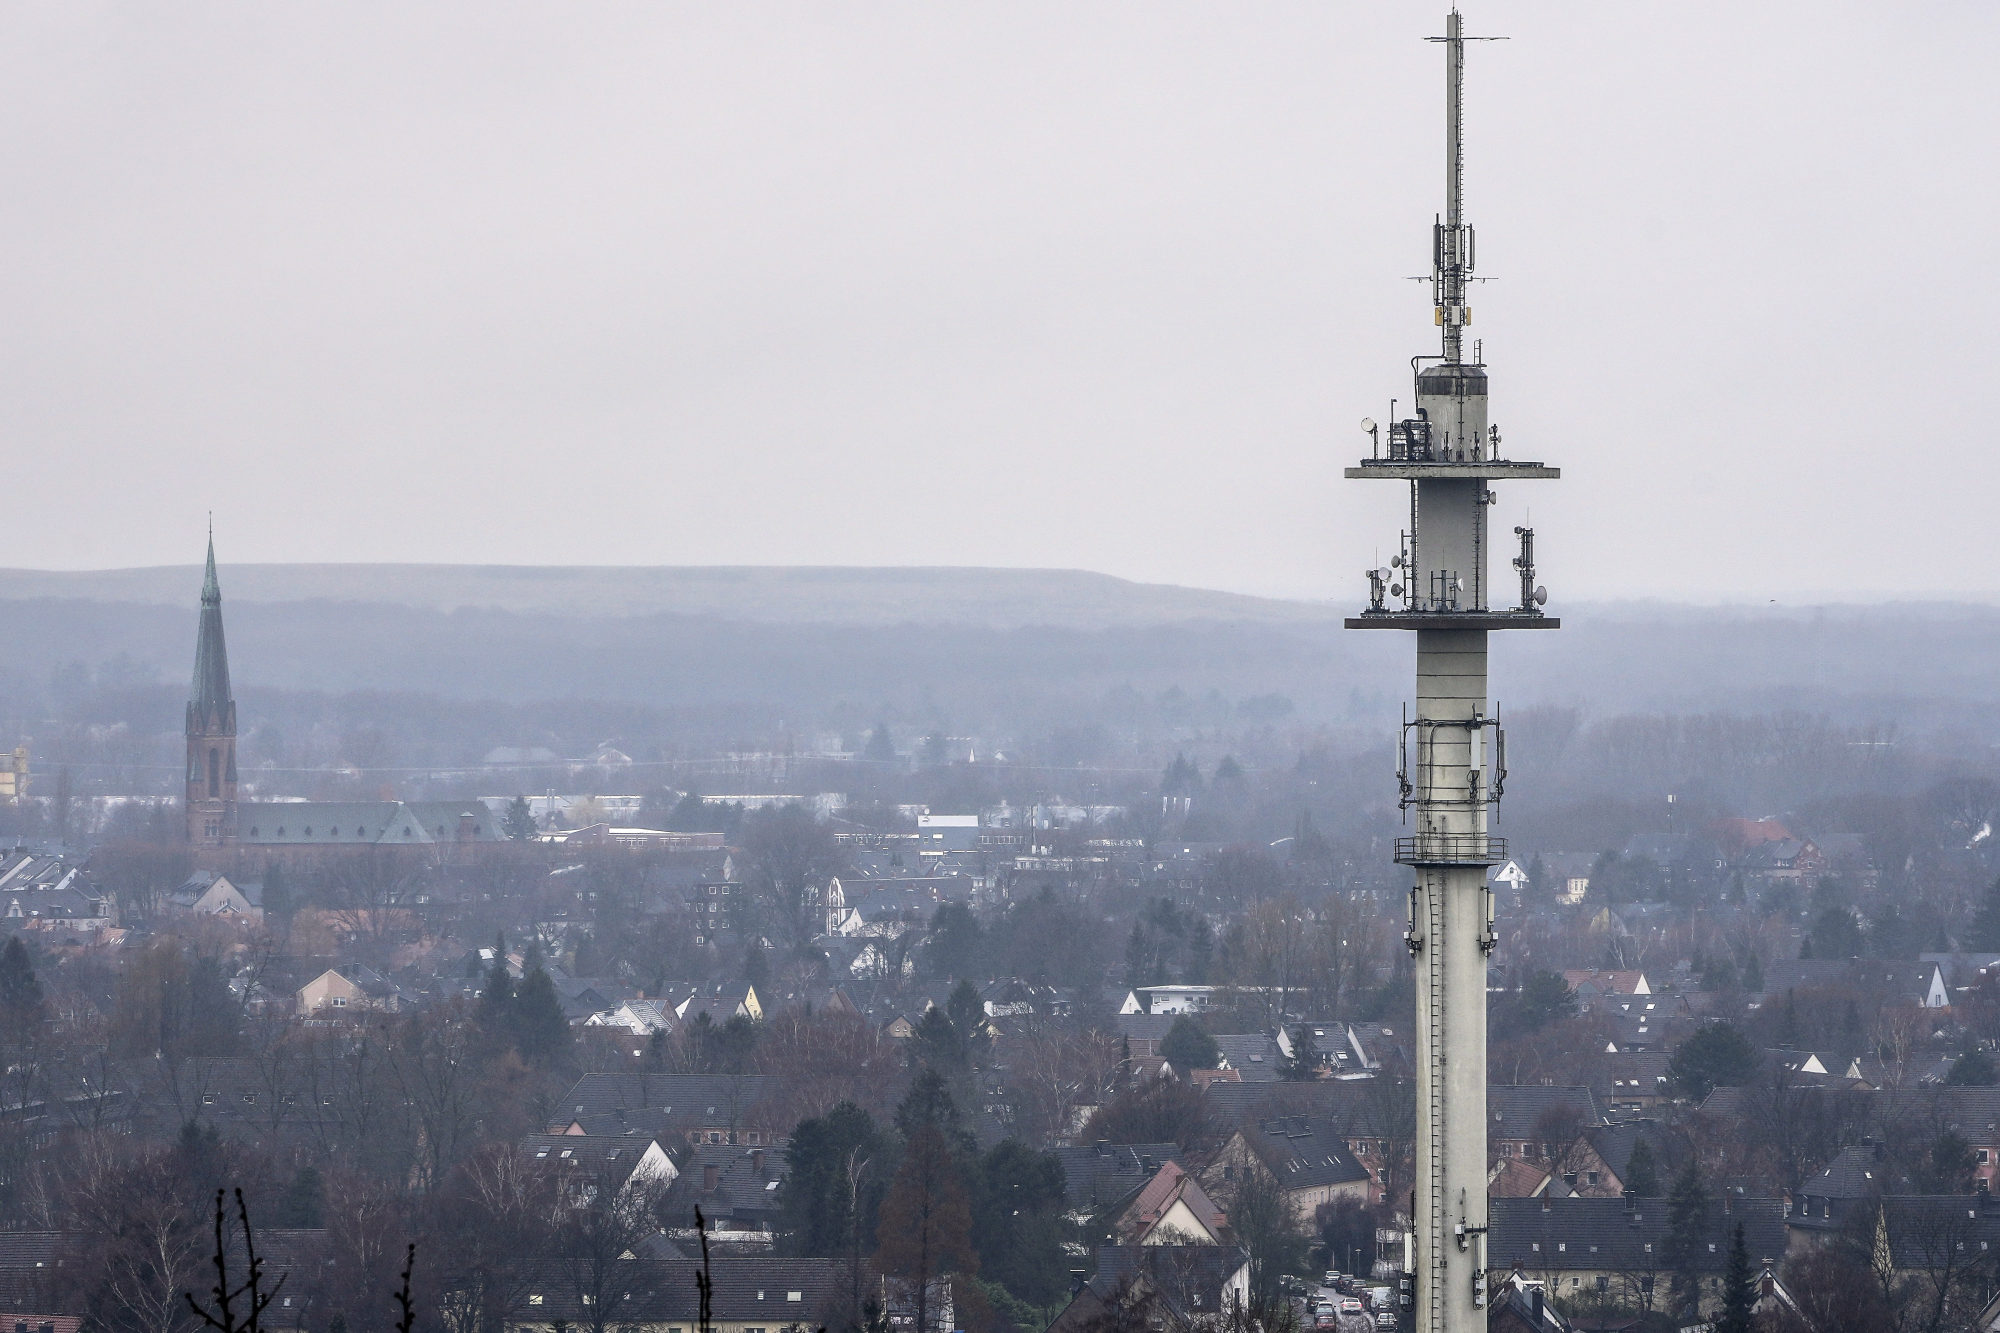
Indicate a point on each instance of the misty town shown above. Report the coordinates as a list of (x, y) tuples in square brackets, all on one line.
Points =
[(676, 669)]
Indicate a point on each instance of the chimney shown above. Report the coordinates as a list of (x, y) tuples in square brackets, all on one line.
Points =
[(757, 1162), (1546, 1205), (709, 1174)]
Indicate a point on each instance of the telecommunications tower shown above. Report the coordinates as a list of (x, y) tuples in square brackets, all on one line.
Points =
[(1452, 758)]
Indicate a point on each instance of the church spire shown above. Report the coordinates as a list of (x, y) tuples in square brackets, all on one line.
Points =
[(211, 724), (210, 703)]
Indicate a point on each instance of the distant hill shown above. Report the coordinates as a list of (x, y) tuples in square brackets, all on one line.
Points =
[(991, 598), (981, 647)]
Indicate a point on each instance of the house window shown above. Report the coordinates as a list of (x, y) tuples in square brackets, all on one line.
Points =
[(340, 1001), (1590, 1176), (534, 1298), (1983, 1158), (208, 1099)]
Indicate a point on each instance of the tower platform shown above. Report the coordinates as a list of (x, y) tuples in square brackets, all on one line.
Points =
[(1497, 469), (1451, 620)]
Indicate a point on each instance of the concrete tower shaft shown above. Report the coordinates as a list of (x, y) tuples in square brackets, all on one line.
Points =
[(1453, 766)]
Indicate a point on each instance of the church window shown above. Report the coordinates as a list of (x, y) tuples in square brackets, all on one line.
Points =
[(214, 772)]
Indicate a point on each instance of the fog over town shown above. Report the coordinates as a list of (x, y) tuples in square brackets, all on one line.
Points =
[(705, 670)]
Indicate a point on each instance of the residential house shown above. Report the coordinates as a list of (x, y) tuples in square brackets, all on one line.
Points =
[(735, 1186), (1616, 1249), (1172, 1209), (1100, 1174), (747, 1294), (208, 893), (350, 988), (674, 1108), (1307, 1157), (1182, 1287), (1526, 1120), (594, 1167)]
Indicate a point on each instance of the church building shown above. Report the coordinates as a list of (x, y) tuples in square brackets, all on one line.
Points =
[(293, 831)]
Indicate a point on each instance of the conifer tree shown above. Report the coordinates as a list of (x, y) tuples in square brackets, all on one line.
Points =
[(21, 1002), (1642, 1175), (1687, 1222), (1739, 1289)]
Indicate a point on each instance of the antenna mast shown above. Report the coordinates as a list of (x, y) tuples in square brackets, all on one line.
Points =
[(1452, 244)]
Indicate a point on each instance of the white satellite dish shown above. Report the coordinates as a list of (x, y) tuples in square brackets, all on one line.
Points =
[(1382, 574), (1458, 584), (1368, 424), (1541, 596)]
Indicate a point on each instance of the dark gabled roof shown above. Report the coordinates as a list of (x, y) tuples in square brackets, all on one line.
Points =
[(608, 1156), (1188, 1279), (1513, 1109), (1857, 1172), (1153, 1027), (1540, 1234), (1362, 1108), (1305, 1153), (1097, 1175), (746, 1289), (662, 1102), (747, 1181), (1253, 1054), (1927, 1231)]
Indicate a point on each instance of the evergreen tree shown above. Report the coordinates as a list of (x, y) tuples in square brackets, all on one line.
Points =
[(1739, 1289), (496, 998), (937, 1047), (1687, 1230), (536, 1019), (929, 1103), (278, 904), (881, 745), (1718, 1055), (21, 1001), (1187, 1047), (836, 1167), (1642, 1175), (968, 1018), (1302, 1065), (520, 821), (1836, 934), (1983, 936), (1974, 1069), (304, 1201), (1182, 778), (1753, 974), (1017, 1228)]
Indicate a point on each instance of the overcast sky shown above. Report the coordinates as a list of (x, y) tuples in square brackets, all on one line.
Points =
[(1093, 285)]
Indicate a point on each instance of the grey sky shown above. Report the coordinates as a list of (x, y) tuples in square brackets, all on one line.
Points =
[(1090, 285)]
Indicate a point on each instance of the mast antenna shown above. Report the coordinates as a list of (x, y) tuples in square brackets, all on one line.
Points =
[(1452, 248)]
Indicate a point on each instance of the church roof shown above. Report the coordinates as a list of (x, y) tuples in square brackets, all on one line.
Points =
[(389, 823), (210, 705)]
